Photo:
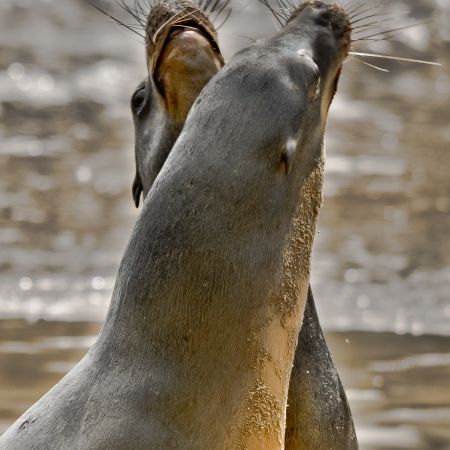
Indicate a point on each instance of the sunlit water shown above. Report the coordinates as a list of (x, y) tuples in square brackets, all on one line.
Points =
[(381, 269)]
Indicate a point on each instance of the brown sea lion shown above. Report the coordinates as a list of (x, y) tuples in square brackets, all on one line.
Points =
[(318, 416), (198, 345)]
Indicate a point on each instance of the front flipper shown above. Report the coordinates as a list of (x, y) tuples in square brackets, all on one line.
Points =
[(318, 415)]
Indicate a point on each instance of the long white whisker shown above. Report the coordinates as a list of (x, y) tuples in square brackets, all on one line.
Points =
[(370, 65), (396, 58)]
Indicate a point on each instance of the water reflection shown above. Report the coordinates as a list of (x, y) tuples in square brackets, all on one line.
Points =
[(34, 357), (381, 269)]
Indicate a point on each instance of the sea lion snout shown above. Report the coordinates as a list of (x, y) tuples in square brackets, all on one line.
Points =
[(328, 28), (329, 16), (320, 34)]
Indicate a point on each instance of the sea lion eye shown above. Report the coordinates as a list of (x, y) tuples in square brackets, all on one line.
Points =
[(138, 98)]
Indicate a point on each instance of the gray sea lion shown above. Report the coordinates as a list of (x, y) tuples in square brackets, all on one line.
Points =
[(318, 416), (182, 56), (198, 345)]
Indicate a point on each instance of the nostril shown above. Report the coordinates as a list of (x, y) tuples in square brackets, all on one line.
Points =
[(323, 22), (323, 19)]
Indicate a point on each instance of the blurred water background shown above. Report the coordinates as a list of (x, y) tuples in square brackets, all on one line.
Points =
[(381, 268)]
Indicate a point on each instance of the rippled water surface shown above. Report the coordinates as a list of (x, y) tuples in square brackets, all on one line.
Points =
[(381, 269)]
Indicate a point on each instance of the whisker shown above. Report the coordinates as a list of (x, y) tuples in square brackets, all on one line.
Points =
[(371, 16), (350, 5), (278, 17), (282, 4), (393, 30), (141, 10), (216, 4), (354, 3), (114, 19), (246, 37), (218, 27), (359, 10), (386, 38), (371, 9), (381, 69), (221, 10), (171, 20), (376, 24), (355, 7), (370, 21), (206, 5), (395, 58), (133, 13)]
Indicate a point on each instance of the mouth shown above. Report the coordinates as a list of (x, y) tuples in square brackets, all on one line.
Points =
[(164, 24), (169, 35), (183, 55)]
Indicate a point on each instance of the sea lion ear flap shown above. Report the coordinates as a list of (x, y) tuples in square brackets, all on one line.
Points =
[(137, 189), (288, 155)]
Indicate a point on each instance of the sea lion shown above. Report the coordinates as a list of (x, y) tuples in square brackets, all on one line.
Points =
[(197, 348), (318, 416), (182, 56)]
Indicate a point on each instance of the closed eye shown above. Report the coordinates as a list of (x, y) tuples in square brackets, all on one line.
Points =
[(138, 98)]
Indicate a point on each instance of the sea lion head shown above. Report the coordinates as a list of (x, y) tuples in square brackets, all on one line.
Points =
[(182, 55), (306, 58)]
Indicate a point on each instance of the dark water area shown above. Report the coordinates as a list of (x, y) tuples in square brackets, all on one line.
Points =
[(381, 268)]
